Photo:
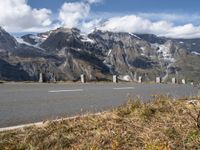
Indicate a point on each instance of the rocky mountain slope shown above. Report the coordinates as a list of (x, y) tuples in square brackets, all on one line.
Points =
[(67, 53)]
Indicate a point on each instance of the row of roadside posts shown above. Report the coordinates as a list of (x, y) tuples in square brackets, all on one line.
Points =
[(51, 79), (83, 78), (140, 80), (174, 80), (115, 79)]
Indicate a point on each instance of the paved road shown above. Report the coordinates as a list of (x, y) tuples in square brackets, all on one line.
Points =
[(22, 103)]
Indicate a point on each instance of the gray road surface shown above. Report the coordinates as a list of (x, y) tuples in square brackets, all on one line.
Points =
[(22, 103)]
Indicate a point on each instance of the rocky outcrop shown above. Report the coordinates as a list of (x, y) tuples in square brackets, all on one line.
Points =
[(7, 42), (12, 72)]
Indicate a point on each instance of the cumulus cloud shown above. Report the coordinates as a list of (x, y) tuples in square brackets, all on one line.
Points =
[(90, 25), (185, 31), (136, 24), (173, 17), (18, 16), (71, 14), (77, 14)]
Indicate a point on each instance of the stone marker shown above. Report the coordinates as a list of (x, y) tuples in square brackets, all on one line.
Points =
[(158, 80), (174, 80), (115, 79), (83, 80), (183, 81), (54, 79), (135, 77), (140, 79), (40, 78), (192, 83)]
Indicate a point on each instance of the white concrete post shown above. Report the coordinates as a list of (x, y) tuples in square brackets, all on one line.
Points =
[(54, 78), (40, 78), (140, 79), (115, 79), (83, 78), (135, 77), (158, 80), (192, 83), (174, 80), (183, 81)]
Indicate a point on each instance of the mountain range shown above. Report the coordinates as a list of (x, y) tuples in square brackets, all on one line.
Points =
[(67, 53)]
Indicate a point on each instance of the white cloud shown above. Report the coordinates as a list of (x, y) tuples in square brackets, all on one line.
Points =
[(77, 14), (90, 25), (135, 24), (71, 14), (185, 31), (93, 1), (18, 16), (173, 17)]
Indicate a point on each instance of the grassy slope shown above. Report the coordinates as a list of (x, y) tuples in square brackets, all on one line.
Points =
[(160, 124)]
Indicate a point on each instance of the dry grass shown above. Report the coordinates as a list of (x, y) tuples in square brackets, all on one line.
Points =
[(162, 124)]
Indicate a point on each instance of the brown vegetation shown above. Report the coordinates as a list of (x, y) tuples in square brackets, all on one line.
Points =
[(162, 124)]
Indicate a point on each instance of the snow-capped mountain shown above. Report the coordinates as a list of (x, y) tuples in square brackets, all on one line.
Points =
[(67, 53)]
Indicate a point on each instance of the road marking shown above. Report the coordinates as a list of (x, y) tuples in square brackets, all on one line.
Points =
[(59, 91), (39, 124), (124, 88)]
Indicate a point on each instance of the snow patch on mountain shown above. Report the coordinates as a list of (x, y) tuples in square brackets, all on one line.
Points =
[(21, 41), (125, 78), (85, 38), (143, 51), (165, 55), (195, 53), (181, 42), (135, 36), (109, 52), (163, 52), (39, 39), (88, 40), (142, 48)]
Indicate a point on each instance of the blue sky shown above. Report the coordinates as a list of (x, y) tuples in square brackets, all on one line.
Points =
[(180, 6), (172, 18)]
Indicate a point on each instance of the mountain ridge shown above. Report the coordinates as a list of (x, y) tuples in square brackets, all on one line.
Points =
[(67, 53)]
